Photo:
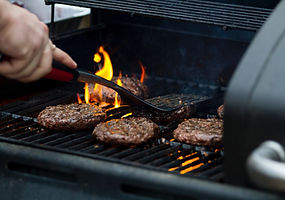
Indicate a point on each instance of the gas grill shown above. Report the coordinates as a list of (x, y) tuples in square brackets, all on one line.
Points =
[(190, 50)]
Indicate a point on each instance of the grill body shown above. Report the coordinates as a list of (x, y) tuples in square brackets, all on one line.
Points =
[(258, 114), (188, 47)]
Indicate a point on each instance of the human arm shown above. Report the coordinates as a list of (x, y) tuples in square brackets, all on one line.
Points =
[(24, 39)]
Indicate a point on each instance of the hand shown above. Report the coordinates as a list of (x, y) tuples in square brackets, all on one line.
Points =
[(25, 41)]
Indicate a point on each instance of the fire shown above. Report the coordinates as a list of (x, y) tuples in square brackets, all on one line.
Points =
[(79, 99), (187, 162), (143, 74), (117, 101), (189, 169), (86, 95), (97, 58), (105, 71)]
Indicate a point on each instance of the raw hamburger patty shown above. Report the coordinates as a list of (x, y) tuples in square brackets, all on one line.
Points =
[(196, 131), (220, 111), (71, 116), (126, 131), (132, 84)]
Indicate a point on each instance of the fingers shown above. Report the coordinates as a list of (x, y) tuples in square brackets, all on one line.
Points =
[(45, 63), (38, 66), (44, 66), (63, 57)]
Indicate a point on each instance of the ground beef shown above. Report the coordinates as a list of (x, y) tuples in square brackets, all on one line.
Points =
[(130, 83), (71, 116), (197, 131), (126, 131), (220, 111)]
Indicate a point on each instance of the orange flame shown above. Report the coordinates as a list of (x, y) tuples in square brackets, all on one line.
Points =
[(105, 72), (117, 101), (186, 162), (107, 69), (79, 99), (143, 74), (86, 95), (97, 58), (189, 169)]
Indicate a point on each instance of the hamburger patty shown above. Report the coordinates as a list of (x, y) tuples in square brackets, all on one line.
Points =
[(220, 111), (132, 84), (126, 131), (71, 116), (197, 131)]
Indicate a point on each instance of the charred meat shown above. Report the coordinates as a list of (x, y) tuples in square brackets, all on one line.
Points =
[(71, 116), (197, 131), (126, 131)]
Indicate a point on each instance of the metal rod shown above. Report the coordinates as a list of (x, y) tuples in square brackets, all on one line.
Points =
[(52, 23)]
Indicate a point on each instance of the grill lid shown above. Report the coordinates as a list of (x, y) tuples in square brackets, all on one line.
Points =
[(254, 108)]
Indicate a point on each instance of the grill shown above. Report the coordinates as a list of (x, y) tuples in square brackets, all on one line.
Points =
[(190, 50)]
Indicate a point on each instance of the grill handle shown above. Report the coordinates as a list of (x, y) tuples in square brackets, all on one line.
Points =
[(266, 167)]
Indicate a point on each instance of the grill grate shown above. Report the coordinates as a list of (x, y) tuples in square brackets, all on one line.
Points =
[(161, 154), (197, 11)]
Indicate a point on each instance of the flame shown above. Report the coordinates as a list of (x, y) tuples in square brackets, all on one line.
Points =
[(189, 169), (97, 58), (79, 99), (107, 69), (105, 72), (185, 163), (143, 74), (86, 95), (117, 101), (126, 115)]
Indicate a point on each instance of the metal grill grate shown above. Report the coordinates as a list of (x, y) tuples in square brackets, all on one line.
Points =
[(197, 11), (161, 154)]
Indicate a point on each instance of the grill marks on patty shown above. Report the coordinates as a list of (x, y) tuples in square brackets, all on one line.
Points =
[(197, 131), (126, 131), (71, 116)]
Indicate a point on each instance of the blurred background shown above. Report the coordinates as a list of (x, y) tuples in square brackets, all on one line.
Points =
[(67, 17)]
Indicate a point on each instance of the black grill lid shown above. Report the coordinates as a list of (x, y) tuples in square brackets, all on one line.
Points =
[(254, 108)]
